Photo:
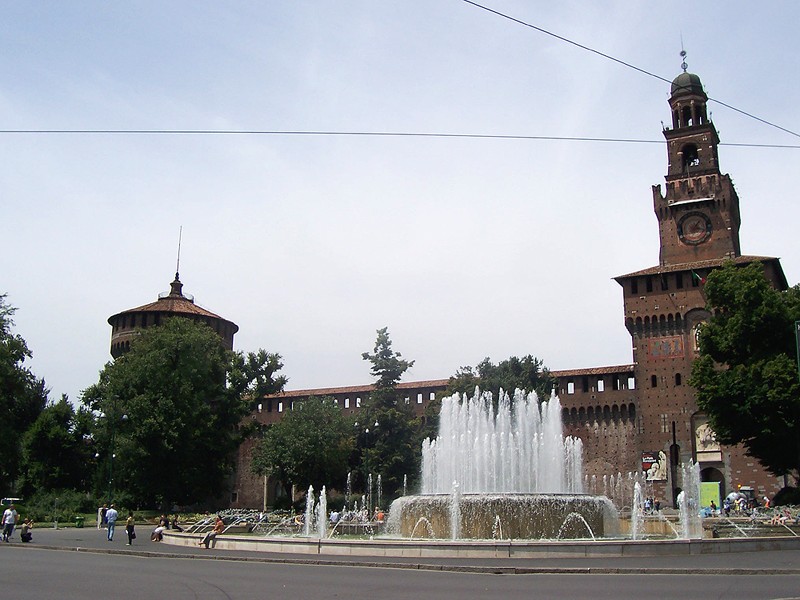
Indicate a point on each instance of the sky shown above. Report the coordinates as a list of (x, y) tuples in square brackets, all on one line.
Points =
[(465, 248)]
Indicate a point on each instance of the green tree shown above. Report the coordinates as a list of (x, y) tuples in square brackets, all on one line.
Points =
[(22, 397), (56, 450), (392, 449), (527, 373), (170, 409), (746, 375), (309, 446)]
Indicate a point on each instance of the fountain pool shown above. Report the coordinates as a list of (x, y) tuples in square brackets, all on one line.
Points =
[(505, 463)]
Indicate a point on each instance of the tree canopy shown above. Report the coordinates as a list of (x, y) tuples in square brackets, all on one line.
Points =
[(311, 445), (170, 408), (22, 397), (392, 448), (56, 453), (527, 373), (746, 376)]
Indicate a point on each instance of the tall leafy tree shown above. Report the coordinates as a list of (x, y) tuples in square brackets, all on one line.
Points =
[(170, 408), (746, 376), (392, 448), (22, 397), (311, 445), (527, 373), (56, 450)]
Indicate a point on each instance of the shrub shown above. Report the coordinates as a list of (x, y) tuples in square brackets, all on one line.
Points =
[(787, 496)]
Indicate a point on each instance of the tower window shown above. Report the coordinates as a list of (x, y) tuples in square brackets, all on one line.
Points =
[(678, 379), (634, 286), (649, 284), (653, 380), (687, 116), (679, 280), (691, 157)]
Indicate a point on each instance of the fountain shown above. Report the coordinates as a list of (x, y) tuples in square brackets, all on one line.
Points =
[(509, 462), (637, 512), (689, 502)]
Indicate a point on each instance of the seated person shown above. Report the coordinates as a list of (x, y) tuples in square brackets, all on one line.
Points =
[(158, 534), (175, 525), (25, 530), (219, 527)]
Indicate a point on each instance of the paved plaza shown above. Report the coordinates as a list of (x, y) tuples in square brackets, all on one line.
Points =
[(80, 563), (92, 540)]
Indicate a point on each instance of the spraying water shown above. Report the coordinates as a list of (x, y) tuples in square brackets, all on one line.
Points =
[(322, 514), (309, 516), (637, 512), (518, 447)]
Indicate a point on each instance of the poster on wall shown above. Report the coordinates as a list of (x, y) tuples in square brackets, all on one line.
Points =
[(654, 465)]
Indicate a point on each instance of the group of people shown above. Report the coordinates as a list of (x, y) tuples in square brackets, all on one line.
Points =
[(164, 523), (354, 516), (107, 517), (652, 505), (9, 523)]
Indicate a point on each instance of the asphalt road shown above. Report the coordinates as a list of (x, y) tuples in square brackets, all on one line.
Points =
[(112, 570)]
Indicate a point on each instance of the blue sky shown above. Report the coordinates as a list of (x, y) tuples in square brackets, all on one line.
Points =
[(463, 248)]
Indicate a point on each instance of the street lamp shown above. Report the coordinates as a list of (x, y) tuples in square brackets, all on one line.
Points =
[(367, 474), (112, 424)]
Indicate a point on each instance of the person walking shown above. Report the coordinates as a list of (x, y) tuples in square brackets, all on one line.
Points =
[(130, 525), (10, 517), (111, 521)]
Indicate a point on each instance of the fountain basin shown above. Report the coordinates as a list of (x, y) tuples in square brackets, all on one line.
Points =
[(503, 516)]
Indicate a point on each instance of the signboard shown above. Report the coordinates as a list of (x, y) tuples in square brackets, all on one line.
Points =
[(654, 465)]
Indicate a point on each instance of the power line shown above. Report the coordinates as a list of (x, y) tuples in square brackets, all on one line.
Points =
[(621, 62), (422, 134)]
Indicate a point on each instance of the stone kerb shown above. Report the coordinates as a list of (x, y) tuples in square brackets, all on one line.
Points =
[(399, 548)]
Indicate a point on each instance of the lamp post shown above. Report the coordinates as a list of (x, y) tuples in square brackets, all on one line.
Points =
[(367, 474), (112, 424), (797, 341)]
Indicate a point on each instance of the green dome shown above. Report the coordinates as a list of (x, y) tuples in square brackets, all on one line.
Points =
[(687, 83)]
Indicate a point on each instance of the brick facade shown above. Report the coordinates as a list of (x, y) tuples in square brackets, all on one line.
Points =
[(642, 416)]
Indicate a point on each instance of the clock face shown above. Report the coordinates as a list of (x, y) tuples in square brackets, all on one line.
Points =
[(694, 228)]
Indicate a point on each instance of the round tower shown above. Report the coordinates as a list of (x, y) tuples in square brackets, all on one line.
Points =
[(127, 324)]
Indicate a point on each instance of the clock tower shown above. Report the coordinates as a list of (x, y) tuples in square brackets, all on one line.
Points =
[(665, 307), (698, 215)]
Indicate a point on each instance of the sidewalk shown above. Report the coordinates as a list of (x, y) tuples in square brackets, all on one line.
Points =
[(90, 539)]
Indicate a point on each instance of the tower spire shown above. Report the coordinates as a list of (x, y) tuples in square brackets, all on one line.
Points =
[(178, 264), (684, 66)]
